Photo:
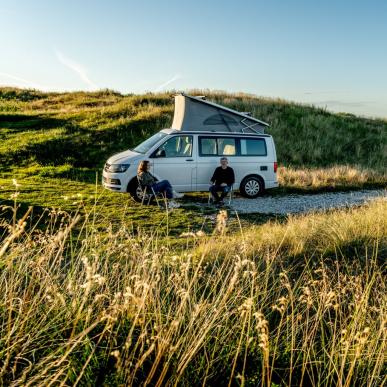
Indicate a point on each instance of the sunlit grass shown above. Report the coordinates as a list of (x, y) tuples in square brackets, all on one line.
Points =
[(317, 233), (332, 178), (15, 142), (43, 190), (283, 303)]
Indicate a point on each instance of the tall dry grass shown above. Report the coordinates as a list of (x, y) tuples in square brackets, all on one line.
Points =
[(84, 307), (335, 177), (313, 234)]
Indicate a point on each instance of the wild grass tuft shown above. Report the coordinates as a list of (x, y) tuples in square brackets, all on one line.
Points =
[(283, 304), (338, 177)]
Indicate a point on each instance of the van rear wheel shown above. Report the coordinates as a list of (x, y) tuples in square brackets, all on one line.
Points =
[(251, 187)]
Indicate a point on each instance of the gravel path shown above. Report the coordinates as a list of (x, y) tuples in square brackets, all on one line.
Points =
[(292, 204)]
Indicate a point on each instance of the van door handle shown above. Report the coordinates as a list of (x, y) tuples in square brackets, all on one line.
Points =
[(189, 160)]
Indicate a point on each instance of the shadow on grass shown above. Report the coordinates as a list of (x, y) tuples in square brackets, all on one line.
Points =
[(23, 122), (8, 216), (82, 148)]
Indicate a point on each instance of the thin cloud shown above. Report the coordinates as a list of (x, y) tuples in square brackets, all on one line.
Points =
[(173, 79), (76, 68), (24, 82), (346, 104), (319, 92), (322, 92)]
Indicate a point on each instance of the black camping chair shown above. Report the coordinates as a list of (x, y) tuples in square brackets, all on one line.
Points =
[(229, 196), (147, 193)]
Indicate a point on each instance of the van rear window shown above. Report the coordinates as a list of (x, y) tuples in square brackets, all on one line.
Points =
[(253, 147)]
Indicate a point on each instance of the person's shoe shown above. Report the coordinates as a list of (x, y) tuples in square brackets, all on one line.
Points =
[(173, 204), (177, 195)]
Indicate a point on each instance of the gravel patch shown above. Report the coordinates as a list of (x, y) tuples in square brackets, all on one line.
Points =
[(294, 204)]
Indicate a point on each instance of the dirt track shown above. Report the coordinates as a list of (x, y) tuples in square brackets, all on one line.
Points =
[(292, 204)]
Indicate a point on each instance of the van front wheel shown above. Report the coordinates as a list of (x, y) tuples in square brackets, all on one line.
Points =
[(251, 187)]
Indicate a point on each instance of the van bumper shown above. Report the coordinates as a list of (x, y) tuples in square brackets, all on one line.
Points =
[(112, 184), (271, 184)]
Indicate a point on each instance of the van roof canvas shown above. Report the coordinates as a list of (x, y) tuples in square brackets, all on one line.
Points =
[(197, 114)]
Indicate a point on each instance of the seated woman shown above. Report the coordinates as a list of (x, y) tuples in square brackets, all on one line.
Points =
[(146, 179)]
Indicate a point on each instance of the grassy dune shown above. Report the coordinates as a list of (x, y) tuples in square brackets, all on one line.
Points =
[(55, 144), (297, 303), (72, 134)]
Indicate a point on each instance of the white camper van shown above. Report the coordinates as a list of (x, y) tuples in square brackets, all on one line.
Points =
[(188, 154)]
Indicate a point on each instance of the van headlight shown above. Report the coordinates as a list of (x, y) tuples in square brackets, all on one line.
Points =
[(116, 168)]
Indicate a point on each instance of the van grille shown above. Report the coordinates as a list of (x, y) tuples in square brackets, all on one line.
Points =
[(111, 181)]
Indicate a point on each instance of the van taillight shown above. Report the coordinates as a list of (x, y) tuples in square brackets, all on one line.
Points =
[(275, 166)]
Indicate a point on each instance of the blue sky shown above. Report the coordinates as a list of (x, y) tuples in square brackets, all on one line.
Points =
[(328, 53)]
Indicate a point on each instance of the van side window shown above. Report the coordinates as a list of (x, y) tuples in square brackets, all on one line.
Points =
[(208, 147), (226, 147), (217, 146), (253, 147), (177, 146)]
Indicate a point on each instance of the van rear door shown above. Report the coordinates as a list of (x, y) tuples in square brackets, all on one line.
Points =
[(255, 157)]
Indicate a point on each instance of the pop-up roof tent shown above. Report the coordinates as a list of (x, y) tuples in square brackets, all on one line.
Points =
[(195, 113)]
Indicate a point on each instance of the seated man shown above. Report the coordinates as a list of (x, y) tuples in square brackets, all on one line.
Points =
[(221, 181)]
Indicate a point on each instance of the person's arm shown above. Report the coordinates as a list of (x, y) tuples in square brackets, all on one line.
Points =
[(213, 178), (140, 177), (232, 176)]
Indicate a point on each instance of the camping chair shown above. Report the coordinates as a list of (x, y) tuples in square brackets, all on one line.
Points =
[(229, 196), (147, 193)]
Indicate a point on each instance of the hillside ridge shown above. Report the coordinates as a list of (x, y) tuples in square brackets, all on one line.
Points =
[(72, 134)]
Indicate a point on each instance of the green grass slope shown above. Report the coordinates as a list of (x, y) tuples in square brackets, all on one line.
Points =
[(83, 129), (55, 144)]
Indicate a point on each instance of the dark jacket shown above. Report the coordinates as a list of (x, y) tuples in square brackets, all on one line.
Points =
[(146, 179), (223, 176)]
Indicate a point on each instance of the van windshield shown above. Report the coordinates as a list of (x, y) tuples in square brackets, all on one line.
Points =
[(148, 144)]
